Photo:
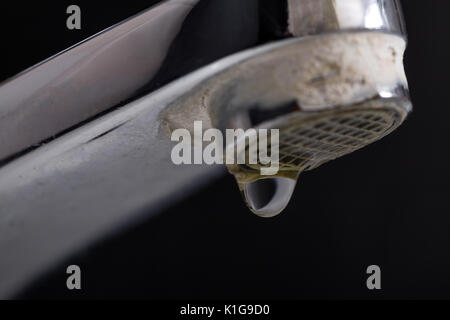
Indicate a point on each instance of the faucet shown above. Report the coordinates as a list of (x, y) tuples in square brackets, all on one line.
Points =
[(85, 135)]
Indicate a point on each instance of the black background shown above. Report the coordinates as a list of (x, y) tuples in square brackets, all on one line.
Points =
[(388, 204)]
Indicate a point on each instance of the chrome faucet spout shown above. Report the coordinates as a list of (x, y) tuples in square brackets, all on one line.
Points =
[(162, 44), (328, 74)]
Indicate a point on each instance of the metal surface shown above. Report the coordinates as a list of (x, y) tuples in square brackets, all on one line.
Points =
[(157, 46), (309, 17), (88, 78), (78, 188), (116, 169)]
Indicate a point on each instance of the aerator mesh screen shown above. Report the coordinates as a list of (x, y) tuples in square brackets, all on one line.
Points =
[(306, 143)]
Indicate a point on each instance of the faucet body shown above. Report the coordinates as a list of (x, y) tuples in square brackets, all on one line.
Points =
[(85, 136), (169, 40)]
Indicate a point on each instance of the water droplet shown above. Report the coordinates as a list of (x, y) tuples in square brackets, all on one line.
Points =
[(266, 196)]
